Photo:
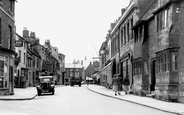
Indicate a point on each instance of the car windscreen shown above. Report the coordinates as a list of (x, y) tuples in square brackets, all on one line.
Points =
[(45, 80)]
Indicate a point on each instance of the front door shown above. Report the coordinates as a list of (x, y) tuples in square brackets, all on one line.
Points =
[(11, 87), (153, 75)]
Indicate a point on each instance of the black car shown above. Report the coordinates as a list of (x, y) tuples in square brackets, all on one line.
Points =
[(46, 85), (75, 81)]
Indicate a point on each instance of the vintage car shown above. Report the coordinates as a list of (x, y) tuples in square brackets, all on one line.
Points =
[(46, 85), (75, 81)]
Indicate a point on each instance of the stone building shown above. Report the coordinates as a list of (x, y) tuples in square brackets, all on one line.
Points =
[(7, 48), (161, 50), (147, 44)]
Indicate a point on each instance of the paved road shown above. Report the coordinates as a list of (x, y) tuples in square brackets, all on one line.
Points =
[(74, 101)]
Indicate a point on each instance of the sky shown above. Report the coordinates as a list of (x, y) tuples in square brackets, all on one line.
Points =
[(77, 27)]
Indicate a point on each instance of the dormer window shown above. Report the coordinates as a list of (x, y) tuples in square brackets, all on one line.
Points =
[(11, 6)]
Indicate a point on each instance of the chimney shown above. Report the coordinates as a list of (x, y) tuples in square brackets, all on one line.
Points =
[(113, 25), (47, 42), (32, 35), (25, 32), (123, 11)]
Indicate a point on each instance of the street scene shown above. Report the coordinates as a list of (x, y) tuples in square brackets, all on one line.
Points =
[(75, 101), (95, 57)]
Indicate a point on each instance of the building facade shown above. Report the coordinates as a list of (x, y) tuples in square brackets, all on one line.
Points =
[(147, 41), (7, 48), (21, 72), (73, 70)]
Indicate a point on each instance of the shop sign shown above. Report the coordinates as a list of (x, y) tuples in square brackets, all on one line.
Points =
[(18, 43)]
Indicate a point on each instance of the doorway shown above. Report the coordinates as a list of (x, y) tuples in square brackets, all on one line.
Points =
[(11, 86), (153, 75)]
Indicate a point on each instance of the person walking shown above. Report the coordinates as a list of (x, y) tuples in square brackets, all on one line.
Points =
[(126, 84), (116, 84)]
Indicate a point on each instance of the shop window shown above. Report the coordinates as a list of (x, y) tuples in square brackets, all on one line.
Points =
[(3, 72), (174, 62)]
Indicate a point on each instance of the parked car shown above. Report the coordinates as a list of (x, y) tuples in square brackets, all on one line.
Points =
[(46, 85)]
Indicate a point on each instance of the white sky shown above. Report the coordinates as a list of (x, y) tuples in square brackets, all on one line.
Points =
[(76, 27)]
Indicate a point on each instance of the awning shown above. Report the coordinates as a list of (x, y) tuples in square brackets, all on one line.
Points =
[(105, 68)]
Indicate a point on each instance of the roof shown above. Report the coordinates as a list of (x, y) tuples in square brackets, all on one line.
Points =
[(71, 65)]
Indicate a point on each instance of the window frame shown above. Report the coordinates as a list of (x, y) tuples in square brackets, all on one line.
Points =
[(174, 61), (4, 76), (163, 18)]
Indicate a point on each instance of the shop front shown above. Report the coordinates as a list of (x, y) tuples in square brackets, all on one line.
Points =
[(106, 75), (6, 74)]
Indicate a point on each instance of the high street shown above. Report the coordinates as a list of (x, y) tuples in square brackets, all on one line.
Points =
[(75, 101)]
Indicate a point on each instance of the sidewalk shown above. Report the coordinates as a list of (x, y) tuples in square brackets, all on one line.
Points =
[(21, 94), (171, 107)]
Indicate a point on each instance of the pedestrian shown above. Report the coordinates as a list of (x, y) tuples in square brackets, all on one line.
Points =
[(126, 84), (116, 84)]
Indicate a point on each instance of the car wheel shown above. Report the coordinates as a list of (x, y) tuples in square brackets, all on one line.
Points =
[(53, 93), (39, 93)]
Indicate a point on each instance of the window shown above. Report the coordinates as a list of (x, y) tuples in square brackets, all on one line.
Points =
[(24, 58), (166, 62), (159, 64), (71, 69), (10, 37), (163, 19), (122, 38), (11, 6), (0, 30), (138, 68), (77, 74), (125, 35), (132, 30), (128, 37), (163, 63), (34, 60), (146, 68), (174, 62), (20, 55), (76, 69), (24, 43), (3, 72), (71, 73)]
